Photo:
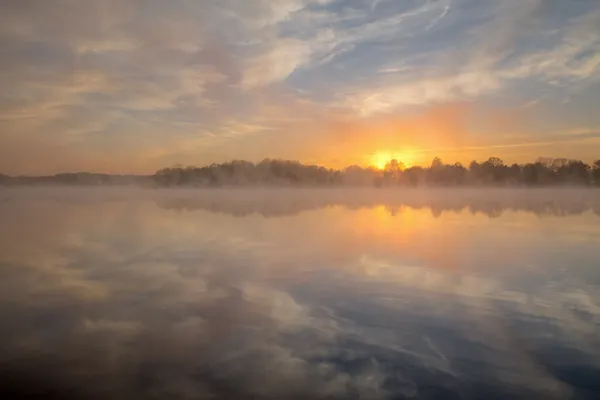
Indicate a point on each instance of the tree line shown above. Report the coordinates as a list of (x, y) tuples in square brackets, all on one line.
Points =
[(75, 179), (493, 172), (542, 172)]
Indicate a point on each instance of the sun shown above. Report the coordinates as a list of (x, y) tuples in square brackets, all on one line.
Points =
[(381, 158)]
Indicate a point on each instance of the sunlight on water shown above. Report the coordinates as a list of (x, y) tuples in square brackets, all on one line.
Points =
[(302, 294)]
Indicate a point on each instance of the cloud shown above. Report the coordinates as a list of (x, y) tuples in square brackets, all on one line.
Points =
[(437, 21), (423, 92), (277, 63), (488, 67)]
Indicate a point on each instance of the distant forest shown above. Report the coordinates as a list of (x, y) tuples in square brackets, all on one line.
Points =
[(543, 172), (493, 172)]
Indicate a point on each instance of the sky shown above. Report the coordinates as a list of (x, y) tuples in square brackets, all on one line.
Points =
[(131, 86)]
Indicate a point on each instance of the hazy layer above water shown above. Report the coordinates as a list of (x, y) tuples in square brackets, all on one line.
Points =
[(302, 293), (281, 201)]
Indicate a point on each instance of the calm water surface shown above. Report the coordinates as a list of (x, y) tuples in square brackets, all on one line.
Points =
[(300, 294)]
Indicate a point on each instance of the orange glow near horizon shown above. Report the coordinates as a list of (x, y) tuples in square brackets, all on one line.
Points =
[(381, 158)]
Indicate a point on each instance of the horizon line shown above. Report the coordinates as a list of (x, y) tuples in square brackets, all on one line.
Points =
[(304, 164)]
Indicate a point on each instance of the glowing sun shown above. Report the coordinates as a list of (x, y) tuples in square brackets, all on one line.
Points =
[(381, 158)]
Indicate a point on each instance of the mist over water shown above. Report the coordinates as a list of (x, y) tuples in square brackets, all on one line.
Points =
[(300, 294)]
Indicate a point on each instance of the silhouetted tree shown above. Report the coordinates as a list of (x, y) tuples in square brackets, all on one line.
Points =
[(356, 175), (415, 176), (457, 174), (436, 172), (476, 173), (392, 173), (514, 174), (574, 172), (596, 172)]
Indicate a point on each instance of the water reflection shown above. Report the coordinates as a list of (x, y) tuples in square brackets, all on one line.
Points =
[(338, 294), (491, 202)]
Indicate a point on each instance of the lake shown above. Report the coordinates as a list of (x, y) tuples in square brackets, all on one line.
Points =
[(300, 293)]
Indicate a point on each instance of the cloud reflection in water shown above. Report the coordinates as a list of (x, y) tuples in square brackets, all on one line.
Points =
[(301, 294)]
